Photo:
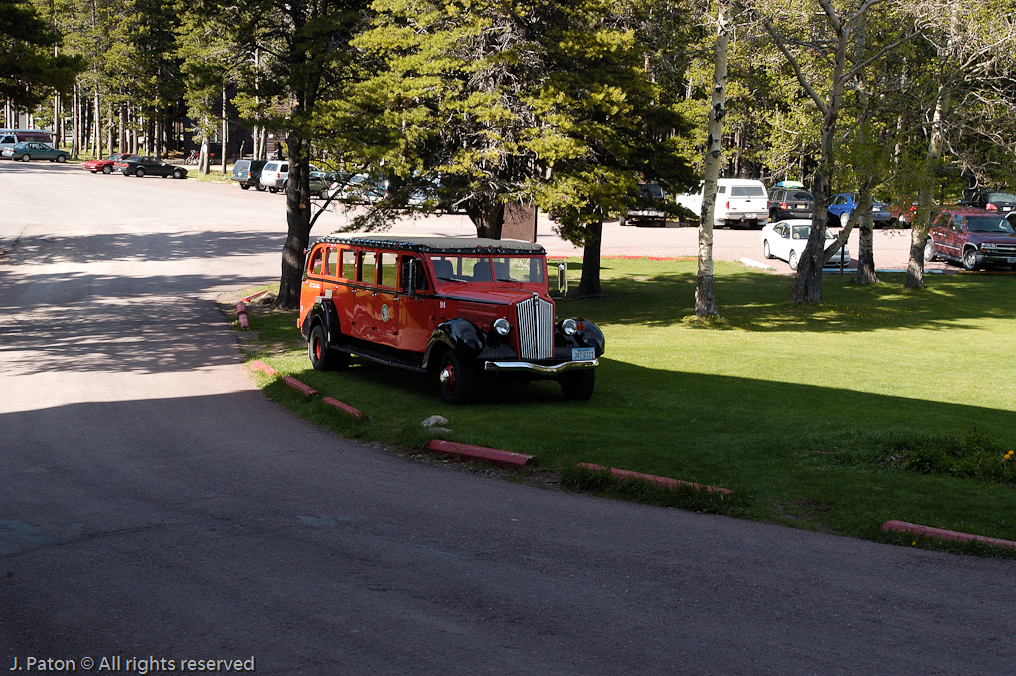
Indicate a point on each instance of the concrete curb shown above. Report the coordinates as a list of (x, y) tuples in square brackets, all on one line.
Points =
[(241, 315), (298, 386), (942, 534), (251, 297), (356, 413), (661, 481), (494, 456), (263, 367)]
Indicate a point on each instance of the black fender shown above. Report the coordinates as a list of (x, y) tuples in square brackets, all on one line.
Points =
[(460, 335), (589, 336), (323, 312)]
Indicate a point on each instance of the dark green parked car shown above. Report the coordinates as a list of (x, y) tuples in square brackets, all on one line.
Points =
[(34, 150)]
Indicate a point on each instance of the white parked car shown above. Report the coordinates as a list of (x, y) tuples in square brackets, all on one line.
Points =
[(787, 240), (741, 201), (275, 175)]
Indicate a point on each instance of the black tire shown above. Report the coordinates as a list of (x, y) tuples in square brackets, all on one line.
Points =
[(244, 186), (61, 158), (26, 158), (258, 186), (970, 260), (107, 169), (929, 250), (765, 249), (179, 173), (455, 379), (844, 219), (323, 194), (140, 172), (321, 357), (285, 186), (623, 220), (272, 190), (792, 260), (578, 385)]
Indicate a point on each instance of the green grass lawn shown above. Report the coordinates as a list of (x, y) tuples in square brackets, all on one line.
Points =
[(795, 408)]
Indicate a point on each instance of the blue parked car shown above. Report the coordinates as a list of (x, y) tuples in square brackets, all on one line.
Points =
[(842, 205)]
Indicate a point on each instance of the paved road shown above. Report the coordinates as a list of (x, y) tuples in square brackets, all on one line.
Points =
[(153, 504)]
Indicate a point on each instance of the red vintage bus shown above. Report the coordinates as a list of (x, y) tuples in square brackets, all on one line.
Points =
[(460, 308)]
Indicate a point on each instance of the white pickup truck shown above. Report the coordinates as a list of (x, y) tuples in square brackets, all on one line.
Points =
[(739, 202)]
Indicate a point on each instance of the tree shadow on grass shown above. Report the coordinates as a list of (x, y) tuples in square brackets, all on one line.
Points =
[(662, 293)]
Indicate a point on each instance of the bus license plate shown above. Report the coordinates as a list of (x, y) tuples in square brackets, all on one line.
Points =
[(583, 353)]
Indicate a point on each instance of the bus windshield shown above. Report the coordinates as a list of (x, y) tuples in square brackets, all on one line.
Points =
[(485, 269)]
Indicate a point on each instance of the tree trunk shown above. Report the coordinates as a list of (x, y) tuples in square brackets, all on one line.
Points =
[(922, 220), (225, 129), (808, 282), (589, 283), (74, 122), (298, 219), (203, 159), (705, 288), (866, 273), (487, 214)]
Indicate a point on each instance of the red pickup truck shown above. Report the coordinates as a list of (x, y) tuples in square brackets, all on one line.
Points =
[(460, 308)]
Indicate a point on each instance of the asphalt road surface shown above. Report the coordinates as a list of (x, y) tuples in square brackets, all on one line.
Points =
[(155, 506)]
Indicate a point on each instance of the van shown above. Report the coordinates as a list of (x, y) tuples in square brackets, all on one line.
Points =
[(741, 202), (248, 173), (11, 137)]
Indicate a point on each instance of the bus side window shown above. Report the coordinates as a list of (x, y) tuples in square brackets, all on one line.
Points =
[(316, 262), (367, 264), (387, 270), (348, 270), (333, 262)]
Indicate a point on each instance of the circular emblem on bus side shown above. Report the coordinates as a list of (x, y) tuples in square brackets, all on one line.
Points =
[(384, 313)]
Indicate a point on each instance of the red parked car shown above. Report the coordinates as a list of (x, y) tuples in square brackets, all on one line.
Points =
[(105, 166), (459, 308), (971, 237)]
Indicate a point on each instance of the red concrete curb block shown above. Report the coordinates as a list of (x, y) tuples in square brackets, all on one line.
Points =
[(300, 387), (492, 455), (343, 407), (942, 534), (251, 297), (661, 481), (261, 366), (244, 323), (241, 308)]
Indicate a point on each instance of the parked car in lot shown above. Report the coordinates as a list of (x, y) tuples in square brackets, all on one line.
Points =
[(145, 165), (1001, 202), (103, 165), (903, 212), (459, 308), (35, 150), (787, 240), (971, 237), (789, 199), (843, 204), (275, 174), (741, 202), (12, 137), (275, 177), (247, 173), (650, 209)]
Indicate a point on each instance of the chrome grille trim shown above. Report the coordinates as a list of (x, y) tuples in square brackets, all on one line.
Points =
[(536, 328)]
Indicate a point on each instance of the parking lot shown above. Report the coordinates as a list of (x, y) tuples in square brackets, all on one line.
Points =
[(192, 203)]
